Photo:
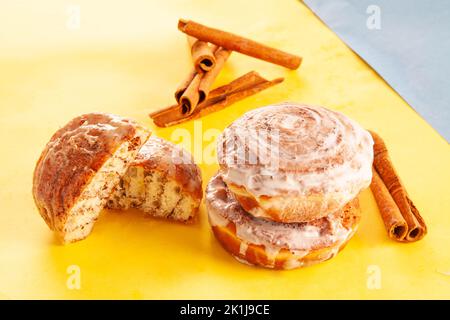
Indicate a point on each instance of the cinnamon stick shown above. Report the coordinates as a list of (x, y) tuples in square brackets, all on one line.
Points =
[(240, 44), (416, 228), (185, 84), (219, 98), (192, 96), (221, 55), (172, 114), (243, 82), (246, 81), (202, 54), (392, 217), (195, 88)]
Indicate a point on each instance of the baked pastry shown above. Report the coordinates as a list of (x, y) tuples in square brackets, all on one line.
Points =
[(78, 169), (294, 163), (276, 245), (163, 181)]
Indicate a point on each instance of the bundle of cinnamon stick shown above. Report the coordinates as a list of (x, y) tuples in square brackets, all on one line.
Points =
[(401, 218), (210, 49)]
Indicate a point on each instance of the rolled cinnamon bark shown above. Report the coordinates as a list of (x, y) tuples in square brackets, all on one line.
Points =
[(192, 96), (417, 228), (246, 81), (221, 56), (190, 77), (240, 44), (195, 88), (392, 217), (202, 54), (241, 82), (185, 84), (219, 98)]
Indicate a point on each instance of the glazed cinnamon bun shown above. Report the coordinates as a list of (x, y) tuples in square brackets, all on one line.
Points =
[(294, 163), (269, 244)]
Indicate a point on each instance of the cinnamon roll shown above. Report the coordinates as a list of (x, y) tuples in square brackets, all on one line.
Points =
[(276, 245), (293, 162)]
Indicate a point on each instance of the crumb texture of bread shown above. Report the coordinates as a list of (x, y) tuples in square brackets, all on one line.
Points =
[(84, 213), (78, 169), (163, 181)]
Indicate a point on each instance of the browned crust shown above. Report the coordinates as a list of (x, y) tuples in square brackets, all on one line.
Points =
[(256, 254), (295, 209), (72, 157), (173, 162)]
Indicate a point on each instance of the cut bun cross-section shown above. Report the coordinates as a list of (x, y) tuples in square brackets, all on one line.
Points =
[(79, 168), (163, 181)]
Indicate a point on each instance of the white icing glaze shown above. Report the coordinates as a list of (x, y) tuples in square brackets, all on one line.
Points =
[(216, 220), (297, 150), (292, 264), (300, 238), (243, 248), (164, 150)]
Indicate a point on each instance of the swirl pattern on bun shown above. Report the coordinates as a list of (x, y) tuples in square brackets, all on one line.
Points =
[(293, 162)]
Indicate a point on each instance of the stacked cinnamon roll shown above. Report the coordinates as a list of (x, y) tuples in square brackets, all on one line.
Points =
[(286, 194)]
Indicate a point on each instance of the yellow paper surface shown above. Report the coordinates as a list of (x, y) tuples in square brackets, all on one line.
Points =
[(127, 57)]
